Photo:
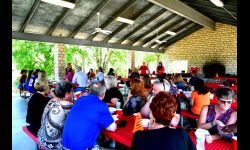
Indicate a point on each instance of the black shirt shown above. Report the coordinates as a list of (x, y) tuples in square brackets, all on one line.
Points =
[(35, 109), (162, 139), (113, 93)]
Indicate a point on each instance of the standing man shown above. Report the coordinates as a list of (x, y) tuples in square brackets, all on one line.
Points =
[(81, 79), (87, 117), (159, 86)]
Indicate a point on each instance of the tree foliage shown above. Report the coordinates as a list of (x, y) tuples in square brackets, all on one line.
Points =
[(33, 55), (93, 57), (152, 57)]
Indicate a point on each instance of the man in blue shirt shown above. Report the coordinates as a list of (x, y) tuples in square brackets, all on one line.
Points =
[(80, 78), (87, 117)]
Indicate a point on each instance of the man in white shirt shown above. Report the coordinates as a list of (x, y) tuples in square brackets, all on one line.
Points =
[(81, 79), (99, 76)]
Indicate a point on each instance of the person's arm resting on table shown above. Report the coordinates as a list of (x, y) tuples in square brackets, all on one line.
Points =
[(112, 127)]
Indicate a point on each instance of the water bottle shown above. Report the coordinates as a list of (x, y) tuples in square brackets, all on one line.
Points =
[(118, 104), (200, 143), (200, 138)]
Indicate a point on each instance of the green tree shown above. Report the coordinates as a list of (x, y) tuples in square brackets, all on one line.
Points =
[(153, 57), (33, 55), (77, 56), (106, 57)]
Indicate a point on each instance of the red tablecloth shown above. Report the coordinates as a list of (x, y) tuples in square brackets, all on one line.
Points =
[(226, 78), (216, 86), (221, 144), (122, 135)]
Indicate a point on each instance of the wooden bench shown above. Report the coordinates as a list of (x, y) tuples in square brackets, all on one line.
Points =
[(32, 136), (187, 114)]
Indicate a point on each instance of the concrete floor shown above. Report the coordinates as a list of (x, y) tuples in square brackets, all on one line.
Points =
[(20, 141)]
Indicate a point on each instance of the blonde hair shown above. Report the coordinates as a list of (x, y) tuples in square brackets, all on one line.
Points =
[(178, 78), (42, 74), (41, 85), (135, 69)]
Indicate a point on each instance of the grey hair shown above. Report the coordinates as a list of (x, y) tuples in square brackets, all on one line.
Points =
[(163, 83), (97, 88), (224, 93), (79, 68), (110, 81)]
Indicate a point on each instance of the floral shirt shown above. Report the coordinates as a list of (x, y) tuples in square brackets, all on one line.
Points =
[(53, 118)]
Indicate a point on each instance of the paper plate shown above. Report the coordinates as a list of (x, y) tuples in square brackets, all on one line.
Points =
[(115, 117), (112, 110)]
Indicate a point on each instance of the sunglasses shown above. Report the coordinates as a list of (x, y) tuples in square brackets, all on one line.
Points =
[(224, 102)]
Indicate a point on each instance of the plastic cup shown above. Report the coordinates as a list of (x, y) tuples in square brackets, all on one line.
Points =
[(211, 96), (119, 113), (234, 142)]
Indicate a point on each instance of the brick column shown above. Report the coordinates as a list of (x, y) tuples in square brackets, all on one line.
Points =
[(59, 55), (132, 53)]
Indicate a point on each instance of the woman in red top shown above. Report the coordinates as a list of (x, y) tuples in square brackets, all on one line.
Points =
[(160, 70), (143, 69)]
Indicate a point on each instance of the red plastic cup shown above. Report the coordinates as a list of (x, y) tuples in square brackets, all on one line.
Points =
[(119, 113), (234, 142)]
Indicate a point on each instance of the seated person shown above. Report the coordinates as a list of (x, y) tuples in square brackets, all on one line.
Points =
[(134, 74), (22, 79), (161, 136), (179, 82), (31, 88), (158, 86), (200, 96), (217, 115), (54, 115), (194, 77), (99, 76), (136, 98), (113, 94), (91, 74), (36, 105), (86, 119), (26, 87), (147, 82), (111, 72), (81, 79)]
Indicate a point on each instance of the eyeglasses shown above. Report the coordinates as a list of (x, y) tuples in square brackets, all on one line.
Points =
[(224, 102)]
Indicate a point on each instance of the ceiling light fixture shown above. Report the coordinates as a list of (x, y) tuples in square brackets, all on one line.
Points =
[(61, 3), (171, 33), (125, 20), (219, 3)]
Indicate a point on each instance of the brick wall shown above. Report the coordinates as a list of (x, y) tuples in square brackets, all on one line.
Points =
[(59, 69), (206, 45)]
